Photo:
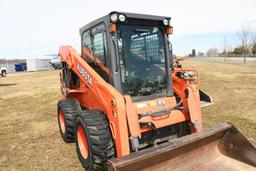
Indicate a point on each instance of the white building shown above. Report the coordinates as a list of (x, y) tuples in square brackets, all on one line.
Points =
[(38, 65)]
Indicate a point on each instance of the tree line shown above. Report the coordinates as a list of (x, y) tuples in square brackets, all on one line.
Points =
[(245, 46)]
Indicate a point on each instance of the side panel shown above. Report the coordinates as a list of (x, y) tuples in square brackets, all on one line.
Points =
[(188, 92), (95, 93), (174, 116)]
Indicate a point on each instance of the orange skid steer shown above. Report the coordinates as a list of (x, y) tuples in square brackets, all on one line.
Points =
[(128, 106)]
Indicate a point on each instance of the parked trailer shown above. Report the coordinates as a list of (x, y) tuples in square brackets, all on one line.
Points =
[(38, 64)]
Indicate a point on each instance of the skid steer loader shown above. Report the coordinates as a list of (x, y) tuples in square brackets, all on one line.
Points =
[(128, 106)]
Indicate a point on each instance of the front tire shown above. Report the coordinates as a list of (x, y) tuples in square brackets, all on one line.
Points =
[(94, 143), (67, 110)]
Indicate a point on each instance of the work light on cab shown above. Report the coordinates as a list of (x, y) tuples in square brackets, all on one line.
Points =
[(165, 22), (114, 17), (122, 18)]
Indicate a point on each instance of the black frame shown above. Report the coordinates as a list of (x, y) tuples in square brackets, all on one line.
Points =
[(112, 50), (98, 28)]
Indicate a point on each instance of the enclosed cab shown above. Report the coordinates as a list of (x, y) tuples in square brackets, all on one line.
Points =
[(131, 53)]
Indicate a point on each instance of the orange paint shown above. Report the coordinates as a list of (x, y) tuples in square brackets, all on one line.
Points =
[(169, 30), (191, 100), (62, 122), (102, 94), (132, 117), (82, 142), (112, 27)]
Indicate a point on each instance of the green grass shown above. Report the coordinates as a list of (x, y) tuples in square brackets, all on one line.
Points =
[(29, 135)]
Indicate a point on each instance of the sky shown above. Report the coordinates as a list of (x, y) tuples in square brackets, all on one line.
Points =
[(34, 28)]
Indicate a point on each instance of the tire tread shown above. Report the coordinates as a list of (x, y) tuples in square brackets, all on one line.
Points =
[(102, 145)]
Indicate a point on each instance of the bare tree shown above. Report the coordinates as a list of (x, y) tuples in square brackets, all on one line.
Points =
[(225, 45), (246, 39), (199, 53), (213, 52), (226, 48)]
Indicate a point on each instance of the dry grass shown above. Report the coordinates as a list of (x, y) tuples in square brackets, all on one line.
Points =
[(233, 88), (29, 135)]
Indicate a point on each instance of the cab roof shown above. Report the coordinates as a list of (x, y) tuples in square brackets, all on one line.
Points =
[(106, 19)]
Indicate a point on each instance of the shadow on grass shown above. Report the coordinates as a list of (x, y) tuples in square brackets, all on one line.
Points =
[(11, 84)]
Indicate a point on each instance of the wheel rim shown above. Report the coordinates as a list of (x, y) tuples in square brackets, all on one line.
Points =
[(82, 142), (62, 122)]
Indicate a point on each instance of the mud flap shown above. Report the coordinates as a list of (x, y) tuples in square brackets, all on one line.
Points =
[(221, 147)]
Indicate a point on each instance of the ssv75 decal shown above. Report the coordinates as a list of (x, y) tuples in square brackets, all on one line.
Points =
[(86, 76)]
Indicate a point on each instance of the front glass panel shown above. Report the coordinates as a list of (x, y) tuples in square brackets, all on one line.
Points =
[(142, 61)]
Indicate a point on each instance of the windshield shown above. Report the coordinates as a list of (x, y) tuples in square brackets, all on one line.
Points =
[(142, 61)]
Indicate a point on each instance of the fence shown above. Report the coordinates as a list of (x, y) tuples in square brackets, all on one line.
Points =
[(236, 56), (245, 60)]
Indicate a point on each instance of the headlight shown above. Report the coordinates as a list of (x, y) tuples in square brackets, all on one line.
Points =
[(165, 22), (122, 18), (114, 17)]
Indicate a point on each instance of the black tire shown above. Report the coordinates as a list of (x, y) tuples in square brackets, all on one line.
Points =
[(100, 146), (69, 109), (4, 73)]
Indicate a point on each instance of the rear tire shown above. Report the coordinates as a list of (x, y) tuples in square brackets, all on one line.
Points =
[(67, 110), (94, 143)]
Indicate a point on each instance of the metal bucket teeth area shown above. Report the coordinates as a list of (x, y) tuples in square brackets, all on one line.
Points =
[(219, 148)]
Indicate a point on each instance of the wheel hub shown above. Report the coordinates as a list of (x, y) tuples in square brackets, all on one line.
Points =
[(82, 142), (62, 122)]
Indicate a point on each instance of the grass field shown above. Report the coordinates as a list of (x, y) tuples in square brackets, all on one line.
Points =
[(29, 135)]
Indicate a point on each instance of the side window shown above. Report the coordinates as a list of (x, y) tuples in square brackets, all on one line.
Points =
[(88, 45), (99, 43), (95, 41)]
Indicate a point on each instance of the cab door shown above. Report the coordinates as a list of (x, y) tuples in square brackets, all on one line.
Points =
[(95, 41)]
